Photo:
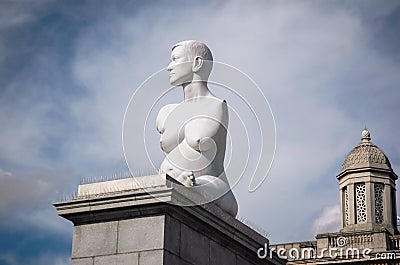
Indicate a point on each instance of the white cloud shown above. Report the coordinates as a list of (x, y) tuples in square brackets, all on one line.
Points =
[(26, 200), (13, 14), (17, 191), (328, 221), (9, 258), (24, 131), (51, 259), (44, 217), (43, 259)]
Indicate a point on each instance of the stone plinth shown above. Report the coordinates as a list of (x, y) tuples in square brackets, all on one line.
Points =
[(132, 221)]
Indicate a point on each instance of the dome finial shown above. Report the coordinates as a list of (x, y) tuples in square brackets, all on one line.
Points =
[(365, 136)]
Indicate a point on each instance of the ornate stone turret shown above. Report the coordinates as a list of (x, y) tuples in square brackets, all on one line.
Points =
[(369, 233), (367, 189)]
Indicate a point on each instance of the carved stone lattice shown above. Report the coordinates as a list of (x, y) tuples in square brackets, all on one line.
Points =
[(346, 208), (379, 203), (360, 203)]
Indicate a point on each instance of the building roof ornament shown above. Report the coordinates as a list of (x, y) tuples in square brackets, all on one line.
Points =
[(366, 154), (365, 136)]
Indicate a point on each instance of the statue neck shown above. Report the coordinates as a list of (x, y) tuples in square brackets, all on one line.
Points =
[(196, 89)]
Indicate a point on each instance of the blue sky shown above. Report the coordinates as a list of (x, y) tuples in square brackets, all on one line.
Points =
[(68, 69)]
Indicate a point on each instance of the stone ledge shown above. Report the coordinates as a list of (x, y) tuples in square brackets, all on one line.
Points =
[(209, 220)]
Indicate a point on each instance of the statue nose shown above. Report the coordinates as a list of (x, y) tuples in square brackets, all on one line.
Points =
[(169, 67)]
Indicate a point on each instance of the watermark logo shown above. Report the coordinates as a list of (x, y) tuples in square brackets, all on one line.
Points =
[(341, 241), (308, 253)]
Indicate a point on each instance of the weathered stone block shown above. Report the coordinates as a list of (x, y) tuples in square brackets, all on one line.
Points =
[(94, 239), (194, 247), (171, 259), (220, 255), (126, 259), (154, 257), (141, 234), (172, 235), (242, 261), (84, 261)]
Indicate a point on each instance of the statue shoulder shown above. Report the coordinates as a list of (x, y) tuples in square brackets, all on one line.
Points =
[(167, 108), (217, 103), (224, 104), (217, 109), (221, 106), (225, 113)]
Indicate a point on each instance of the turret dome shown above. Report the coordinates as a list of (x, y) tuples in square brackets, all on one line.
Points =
[(366, 154)]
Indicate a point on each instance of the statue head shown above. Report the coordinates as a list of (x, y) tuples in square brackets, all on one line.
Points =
[(189, 59)]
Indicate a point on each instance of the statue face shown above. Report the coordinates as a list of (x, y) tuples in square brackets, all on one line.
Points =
[(180, 69)]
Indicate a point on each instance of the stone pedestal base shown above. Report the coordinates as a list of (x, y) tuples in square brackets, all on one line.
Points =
[(132, 221)]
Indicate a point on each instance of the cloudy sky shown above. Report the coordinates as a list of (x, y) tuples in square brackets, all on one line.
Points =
[(69, 68)]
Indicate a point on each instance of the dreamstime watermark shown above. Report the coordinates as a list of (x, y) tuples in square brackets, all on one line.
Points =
[(339, 252)]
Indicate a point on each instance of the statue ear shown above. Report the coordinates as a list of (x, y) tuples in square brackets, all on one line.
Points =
[(197, 64)]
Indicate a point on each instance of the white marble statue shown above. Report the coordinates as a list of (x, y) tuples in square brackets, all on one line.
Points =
[(193, 132)]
